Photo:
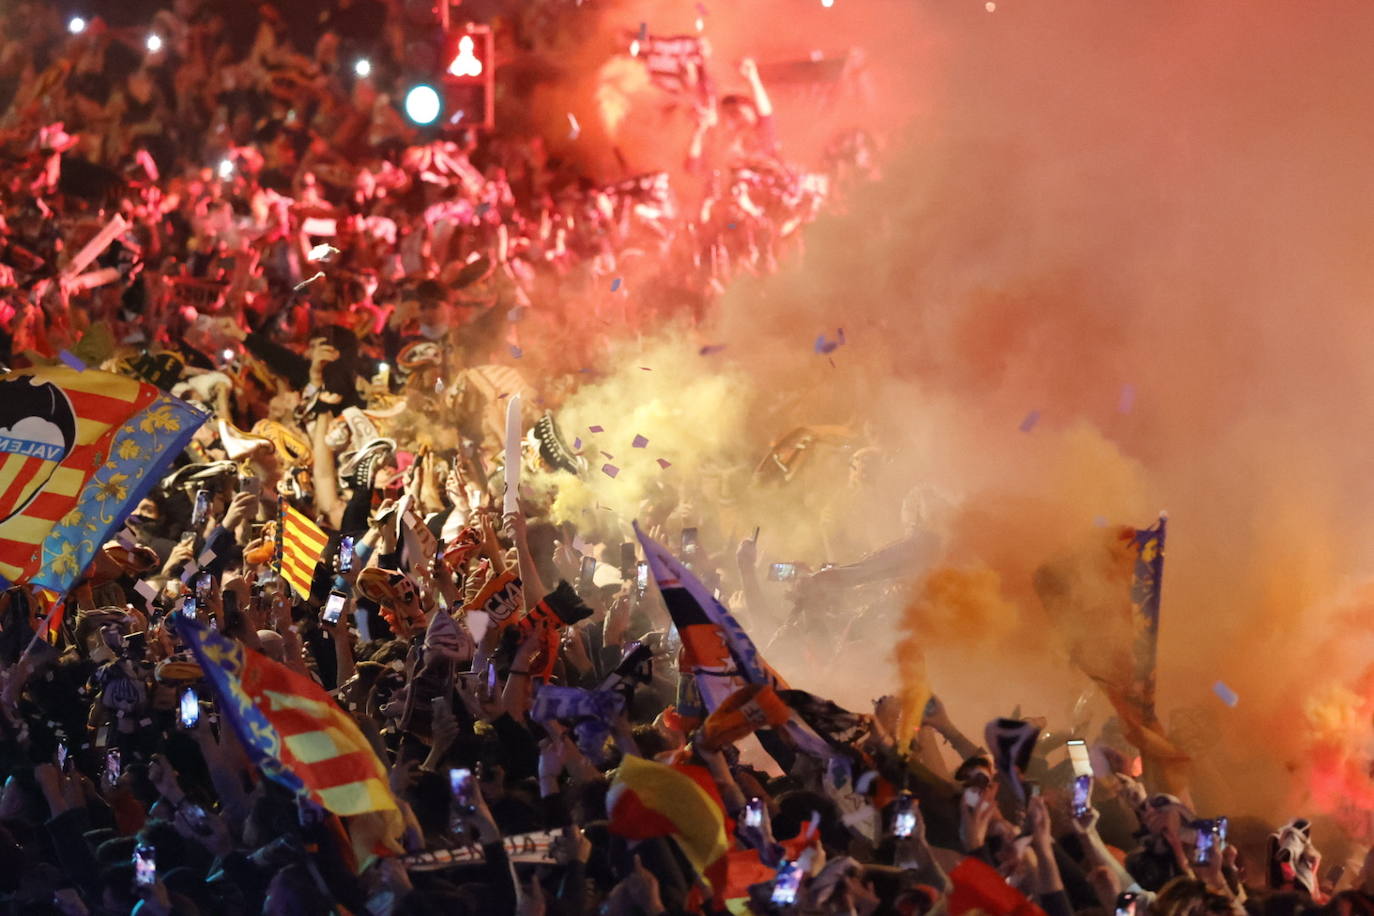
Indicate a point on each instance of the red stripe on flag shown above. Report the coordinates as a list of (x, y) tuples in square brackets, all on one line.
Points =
[(27, 471), (354, 766)]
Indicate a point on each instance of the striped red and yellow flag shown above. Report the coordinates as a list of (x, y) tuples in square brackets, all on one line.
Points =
[(291, 727), (302, 546)]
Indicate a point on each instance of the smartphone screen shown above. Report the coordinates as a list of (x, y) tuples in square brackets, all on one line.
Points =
[(189, 607), (1206, 841), (460, 784), (586, 578), (753, 814), (346, 553), (252, 485), (145, 865), (1082, 795), (641, 576), (112, 768), (204, 583), (785, 884), (1223, 826), (1079, 758), (61, 755), (188, 713), (202, 508), (904, 816), (491, 679), (333, 608), (689, 540), (627, 560), (782, 572)]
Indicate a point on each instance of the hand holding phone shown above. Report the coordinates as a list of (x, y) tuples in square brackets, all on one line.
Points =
[(333, 608), (904, 816), (346, 554), (188, 711), (145, 865), (753, 814), (785, 885), (1082, 796), (461, 785), (641, 577)]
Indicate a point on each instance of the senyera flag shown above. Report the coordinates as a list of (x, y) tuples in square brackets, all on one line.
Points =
[(648, 799), (716, 650), (78, 450), (292, 730), (302, 546)]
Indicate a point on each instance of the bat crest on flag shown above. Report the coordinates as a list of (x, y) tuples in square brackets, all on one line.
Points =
[(37, 431)]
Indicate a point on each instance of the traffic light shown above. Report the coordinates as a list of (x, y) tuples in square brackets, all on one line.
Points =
[(469, 80)]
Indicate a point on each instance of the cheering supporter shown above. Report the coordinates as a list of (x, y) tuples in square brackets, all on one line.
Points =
[(282, 633)]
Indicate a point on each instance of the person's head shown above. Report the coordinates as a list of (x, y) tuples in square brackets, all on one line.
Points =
[(293, 893), (738, 112), (1191, 897)]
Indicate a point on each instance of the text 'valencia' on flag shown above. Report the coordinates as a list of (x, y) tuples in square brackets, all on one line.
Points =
[(302, 545), (78, 450)]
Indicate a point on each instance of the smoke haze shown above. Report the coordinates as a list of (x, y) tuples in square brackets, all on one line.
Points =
[(1149, 222)]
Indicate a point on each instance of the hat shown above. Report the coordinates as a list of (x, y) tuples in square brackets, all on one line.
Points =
[(358, 469)]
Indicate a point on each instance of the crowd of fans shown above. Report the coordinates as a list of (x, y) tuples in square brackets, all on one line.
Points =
[(350, 297)]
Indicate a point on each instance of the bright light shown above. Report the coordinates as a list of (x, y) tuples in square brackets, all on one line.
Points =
[(76, 25), (228, 355), (154, 43), (226, 168), (422, 104), (362, 68), (701, 24), (383, 368), (827, 3), (634, 45), (466, 63)]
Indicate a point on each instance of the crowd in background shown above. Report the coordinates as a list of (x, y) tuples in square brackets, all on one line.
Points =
[(349, 297)]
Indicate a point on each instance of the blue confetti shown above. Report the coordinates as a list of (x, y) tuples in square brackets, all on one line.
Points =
[(1225, 694), (1028, 424), (1127, 399), (730, 225), (610, 470), (711, 348), (615, 284), (72, 360), (644, 31), (639, 442), (516, 352), (577, 443), (826, 346)]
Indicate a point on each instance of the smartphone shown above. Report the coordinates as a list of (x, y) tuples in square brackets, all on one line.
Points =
[(753, 814), (627, 560), (145, 865), (204, 583), (641, 576), (333, 608), (782, 572), (460, 784), (202, 508), (251, 485), (1082, 795), (1126, 904), (230, 600), (188, 713), (189, 608), (586, 580), (689, 540), (785, 885), (197, 818), (1079, 758), (1206, 841), (973, 797), (1223, 827), (491, 679), (904, 816), (346, 553), (62, 756), (112, 769)]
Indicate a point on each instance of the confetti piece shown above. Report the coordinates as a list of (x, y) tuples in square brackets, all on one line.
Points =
[(730, 225), (609, 456), (645, 369), (304, 283), (1100, 521), (1225, 694), (711, 348), (1028, 424), (839, 335), (644, 31), (72, 360), (664, 463), (596, 429), (321, 253), (610, 470), (574, 129), (639, 442), (824, 346), (1127, 399), (516, 352), (482, 209), (615, 284), (577, 443)]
